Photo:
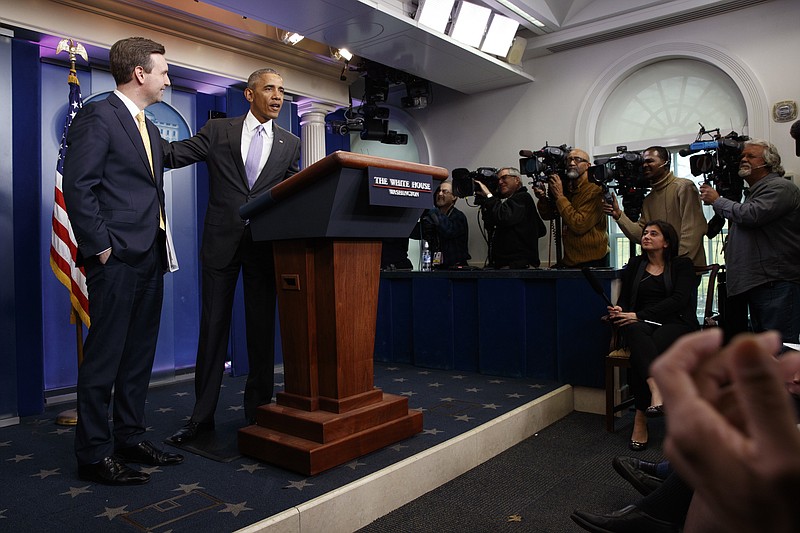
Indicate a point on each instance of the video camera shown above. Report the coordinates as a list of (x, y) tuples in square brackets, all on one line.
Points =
[(464, 181), (543, 163), (624, 173), (719, 166)]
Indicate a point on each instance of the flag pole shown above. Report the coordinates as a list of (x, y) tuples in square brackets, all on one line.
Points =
[(70, 416)]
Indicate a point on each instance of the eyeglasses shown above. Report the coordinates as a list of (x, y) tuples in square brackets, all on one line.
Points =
[(443, 191), (506, 176), (576, 159)]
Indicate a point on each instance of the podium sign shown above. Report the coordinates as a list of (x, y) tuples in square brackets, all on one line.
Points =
[(399, 189), (327, 252)]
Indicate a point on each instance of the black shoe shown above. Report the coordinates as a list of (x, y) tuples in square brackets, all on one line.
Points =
[(636, 473), (147, 454), (111, 471), (190, 431), (654, 411), (636, 446), (627, 520)]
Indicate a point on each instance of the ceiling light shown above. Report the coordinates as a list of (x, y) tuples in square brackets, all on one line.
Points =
[(500, 35), (343, 53), (292, 38), (469, 23), (435, 14)]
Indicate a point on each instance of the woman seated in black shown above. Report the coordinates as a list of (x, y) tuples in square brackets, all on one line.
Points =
[(657, 305)]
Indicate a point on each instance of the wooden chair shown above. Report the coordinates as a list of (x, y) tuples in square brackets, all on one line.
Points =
[(619, 356)]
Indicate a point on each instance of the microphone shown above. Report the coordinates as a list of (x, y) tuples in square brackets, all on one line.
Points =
[(592, 279), (699, 146), (525, 153)]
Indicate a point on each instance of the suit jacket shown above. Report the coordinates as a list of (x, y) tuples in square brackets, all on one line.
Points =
[(218, 143), (112, 198)]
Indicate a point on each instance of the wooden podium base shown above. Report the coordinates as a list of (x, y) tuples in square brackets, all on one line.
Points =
[(310, 442)]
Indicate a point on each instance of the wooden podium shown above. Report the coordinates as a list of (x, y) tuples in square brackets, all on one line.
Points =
[(326, 230)]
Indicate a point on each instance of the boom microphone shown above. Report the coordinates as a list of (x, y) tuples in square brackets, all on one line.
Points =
[(699, 146), (592, 279), (525, 153)]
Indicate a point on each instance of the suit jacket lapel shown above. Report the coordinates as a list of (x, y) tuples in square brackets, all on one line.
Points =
[(234, 135), (131, 129)]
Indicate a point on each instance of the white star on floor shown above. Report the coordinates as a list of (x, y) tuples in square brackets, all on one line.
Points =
[(47, 473), (473, 390), (281, 384), (112, 512), (299, 485), (2, 512), (179, 394), (164, 409), (61, 431), (235, 407), (76, 491), (490, 406), (496, 381), (432, 431), (150, 469), (391, 368), (186, 489), (408, 393), (435, 385), (423, 373), (398, 447), (399, 380), (6, 443), (464, 418), (458, 377), (514, 395), (251, 467), (448, 399), (18, 458), (536, 386), (354, 464), (235, 508)]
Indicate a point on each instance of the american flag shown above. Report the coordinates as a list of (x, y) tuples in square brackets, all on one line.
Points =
[(63, 247)]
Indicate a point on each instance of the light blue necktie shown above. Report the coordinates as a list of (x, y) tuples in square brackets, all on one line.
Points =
[(254, 156)]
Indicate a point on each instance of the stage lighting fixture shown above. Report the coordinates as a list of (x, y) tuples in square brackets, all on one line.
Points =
[(342, 54), (469, 23), (292, 38), (499, 36), (434, 14)]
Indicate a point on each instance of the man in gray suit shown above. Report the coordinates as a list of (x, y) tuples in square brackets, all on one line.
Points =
[(246, 156)]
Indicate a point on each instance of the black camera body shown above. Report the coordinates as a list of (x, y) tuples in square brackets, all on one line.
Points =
[(624, 173), (542, 164), (719, 166), (464, 181)]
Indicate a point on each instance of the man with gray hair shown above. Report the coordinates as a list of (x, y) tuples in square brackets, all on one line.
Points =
[(512, 221), (763, 250)]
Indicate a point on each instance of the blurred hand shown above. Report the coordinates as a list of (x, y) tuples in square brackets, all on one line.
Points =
[(708, 194), (612, 208), (731, 431), (554, 183)]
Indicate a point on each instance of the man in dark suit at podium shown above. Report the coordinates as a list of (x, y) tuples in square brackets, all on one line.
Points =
[(246, 156)]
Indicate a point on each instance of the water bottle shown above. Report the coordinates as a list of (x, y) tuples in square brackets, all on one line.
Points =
[(426, 257)]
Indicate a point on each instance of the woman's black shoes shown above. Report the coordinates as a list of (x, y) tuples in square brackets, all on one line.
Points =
[(637, 446), (654, 411)]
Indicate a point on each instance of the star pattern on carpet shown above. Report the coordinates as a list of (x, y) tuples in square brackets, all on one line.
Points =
[(398, 447), (2, 513), (18, 458), (6, 443), (354, 464), (150, 469), (514, 518), (164, 410), (235, 508), (112, 512), (464, 418), (299, 485), (435, 384), (74, 492), (536, 386), (496, 381), (186, 489), (432, 431), (408, 393), (180, 394), (250, 467), (47, 473), (448, 399), (473, 389), (236, 408), (399, 380), (423, 373), (490, 406), (514, 395), (61, 431), (458, 376)]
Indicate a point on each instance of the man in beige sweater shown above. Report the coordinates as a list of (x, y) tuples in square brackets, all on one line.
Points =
[(675, 200)]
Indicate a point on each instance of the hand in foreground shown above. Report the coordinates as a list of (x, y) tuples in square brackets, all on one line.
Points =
[(484, 190), (556, 188), (708, 194), (731, 431), (612, 208)]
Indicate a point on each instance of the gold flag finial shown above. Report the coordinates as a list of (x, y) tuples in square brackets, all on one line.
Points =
[(74, 48)]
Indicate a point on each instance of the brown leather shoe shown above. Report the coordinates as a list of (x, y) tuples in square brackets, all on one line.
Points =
[(110, 471), (147, 454)]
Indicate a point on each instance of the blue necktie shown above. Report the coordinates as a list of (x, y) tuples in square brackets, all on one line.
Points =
[(254, 156)]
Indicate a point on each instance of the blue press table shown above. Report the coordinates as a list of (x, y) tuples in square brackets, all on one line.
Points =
[(534, 323)]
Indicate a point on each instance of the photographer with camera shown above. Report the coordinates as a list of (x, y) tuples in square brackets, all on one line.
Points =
[(445, 228), (672, 199), (511, 219), (584, 232), (762, 253)]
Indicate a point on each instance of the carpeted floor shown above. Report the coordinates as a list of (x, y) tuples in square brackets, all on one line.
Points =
[(533, 486), (40, 490)]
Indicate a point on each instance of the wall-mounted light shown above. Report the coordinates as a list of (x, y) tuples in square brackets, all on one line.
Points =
[(342, 54), (469, 23), (292, 38), (434, 14), (500, 35)]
